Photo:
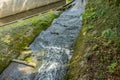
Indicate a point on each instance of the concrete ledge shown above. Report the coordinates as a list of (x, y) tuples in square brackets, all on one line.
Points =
[(30, 13), (10, 7)]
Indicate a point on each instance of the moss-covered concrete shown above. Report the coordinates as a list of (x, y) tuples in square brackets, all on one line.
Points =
[(16, 37)]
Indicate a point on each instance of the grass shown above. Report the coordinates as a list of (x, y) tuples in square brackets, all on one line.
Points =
[(97, 49), (15, 38)]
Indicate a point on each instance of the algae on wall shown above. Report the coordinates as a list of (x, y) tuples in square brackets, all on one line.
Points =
[(14, 38)]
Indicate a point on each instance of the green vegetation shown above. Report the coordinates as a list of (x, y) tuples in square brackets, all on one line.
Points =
[(15, 38), (68, 1), (97, 48)]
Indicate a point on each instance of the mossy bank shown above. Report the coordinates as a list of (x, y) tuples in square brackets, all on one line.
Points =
[(15, 38), (97, 48)]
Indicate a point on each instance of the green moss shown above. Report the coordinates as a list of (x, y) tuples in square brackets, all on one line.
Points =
[(14, 38), (112, 67), (75, 70), (68, 1), (29, 59)]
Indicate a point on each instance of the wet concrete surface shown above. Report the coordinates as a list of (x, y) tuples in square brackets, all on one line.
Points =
[(17, 71)]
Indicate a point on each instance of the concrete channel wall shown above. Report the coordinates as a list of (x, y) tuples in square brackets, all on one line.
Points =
[(10, 7)]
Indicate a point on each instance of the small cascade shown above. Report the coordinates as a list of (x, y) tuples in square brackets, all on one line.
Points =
[(55, 44)]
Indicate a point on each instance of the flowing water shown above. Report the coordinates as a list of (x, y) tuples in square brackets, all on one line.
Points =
[(55, 44), (52, 49)]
